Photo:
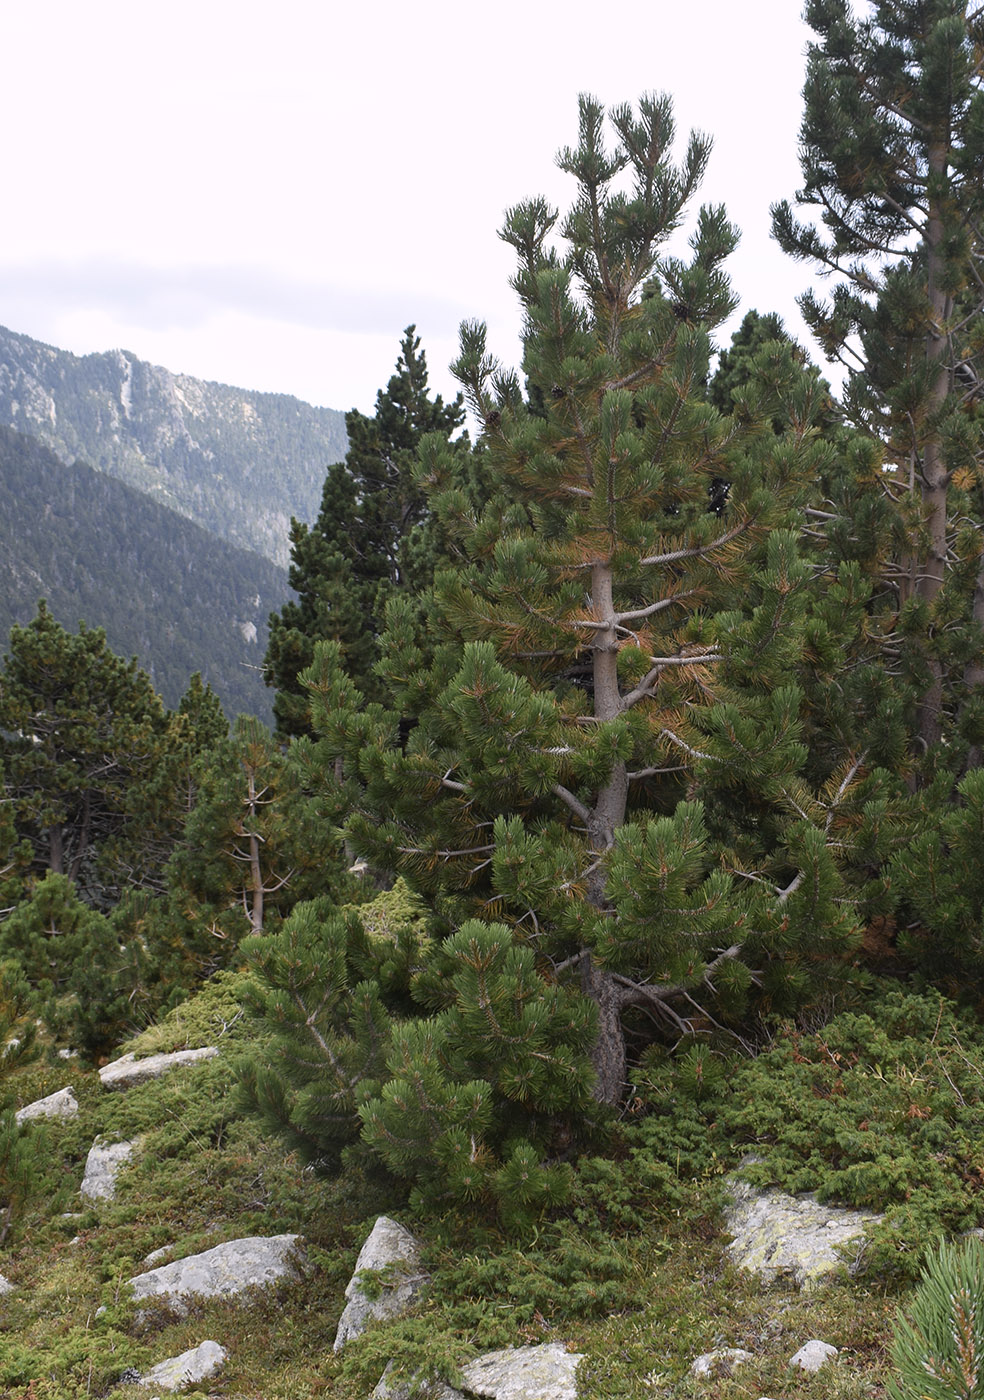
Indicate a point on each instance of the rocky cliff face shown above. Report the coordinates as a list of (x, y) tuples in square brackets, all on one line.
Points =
[(237, 462)]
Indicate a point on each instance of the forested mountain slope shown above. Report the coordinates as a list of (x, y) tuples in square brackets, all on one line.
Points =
[(239, 463), (163, 588)]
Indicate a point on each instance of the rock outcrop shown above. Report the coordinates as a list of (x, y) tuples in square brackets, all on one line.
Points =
[(197, 1364), (102, 1166), (779, 1236), (524, 1373), (544, 1372), (392, 1253), (226, 1270), (61, 1104), (128, 1070)]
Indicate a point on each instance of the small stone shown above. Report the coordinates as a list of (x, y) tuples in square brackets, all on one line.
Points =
[(61, 1104), (720, 1363), (5, 1285), (156, 1255), (812, 1355)]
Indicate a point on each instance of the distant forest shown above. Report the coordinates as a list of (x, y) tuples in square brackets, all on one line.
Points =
[(165, 589)]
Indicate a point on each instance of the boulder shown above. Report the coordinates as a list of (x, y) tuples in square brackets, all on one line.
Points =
[(190, 1367), (524, 1373), (128, 1070), (812, 1355), (400, 1390), (61, 1104), (720, 1364), (780, 1236), (5, 1286), (102, 1166), (224, 1271), (516, 1373), (392, 1252)]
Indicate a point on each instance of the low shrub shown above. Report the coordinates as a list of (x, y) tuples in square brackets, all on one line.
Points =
[(881, 1109)]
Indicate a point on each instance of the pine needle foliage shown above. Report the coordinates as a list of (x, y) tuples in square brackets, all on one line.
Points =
[(892, 153), (938, 1344), (529, 763)]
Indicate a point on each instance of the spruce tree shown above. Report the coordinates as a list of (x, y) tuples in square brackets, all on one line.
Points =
[(369, 540), (892, 146)]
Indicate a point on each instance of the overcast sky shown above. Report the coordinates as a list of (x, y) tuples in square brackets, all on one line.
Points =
[(266, 195)]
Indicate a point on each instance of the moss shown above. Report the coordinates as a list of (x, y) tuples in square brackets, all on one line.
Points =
[(217, 1013)]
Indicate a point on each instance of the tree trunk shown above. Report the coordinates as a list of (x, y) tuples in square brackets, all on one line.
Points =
[(608, 1054), (934, 477), (607, 815), (56, 850)]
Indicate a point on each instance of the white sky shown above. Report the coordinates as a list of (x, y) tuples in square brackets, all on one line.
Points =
[(267, 194)]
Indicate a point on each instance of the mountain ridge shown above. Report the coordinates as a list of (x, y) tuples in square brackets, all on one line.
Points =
[(164, 589), (238, 462)]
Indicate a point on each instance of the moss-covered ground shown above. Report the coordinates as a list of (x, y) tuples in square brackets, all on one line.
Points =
[(632, 1274)]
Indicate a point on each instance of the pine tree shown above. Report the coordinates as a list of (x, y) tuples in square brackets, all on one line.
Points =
[(564, 719), (326, 982), (81, 730), (256, 843), (370, 538), (938, 1349), (892, 148), (18, 1035)]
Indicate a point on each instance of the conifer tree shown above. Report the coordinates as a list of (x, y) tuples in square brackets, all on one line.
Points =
[(18, 1035), (565, 720), (368, 541), (81, 730), (256, 843), (892, 146)]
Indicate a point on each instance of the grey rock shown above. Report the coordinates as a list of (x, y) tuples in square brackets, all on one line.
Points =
[(813, 1355), (780, 1236), (224, 1271), (391, 1248), (402, 1391), (524, 1373), (720, 1363), (103, 1165), (128, 1070), (61, 1104), (156, 1255), (5, 1286), (191, 1366)]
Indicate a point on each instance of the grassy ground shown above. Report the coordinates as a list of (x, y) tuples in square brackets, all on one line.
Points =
[(633, 1276)]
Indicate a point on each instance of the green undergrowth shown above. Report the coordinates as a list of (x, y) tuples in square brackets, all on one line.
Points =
[(631, 1273), (881, 1109)]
